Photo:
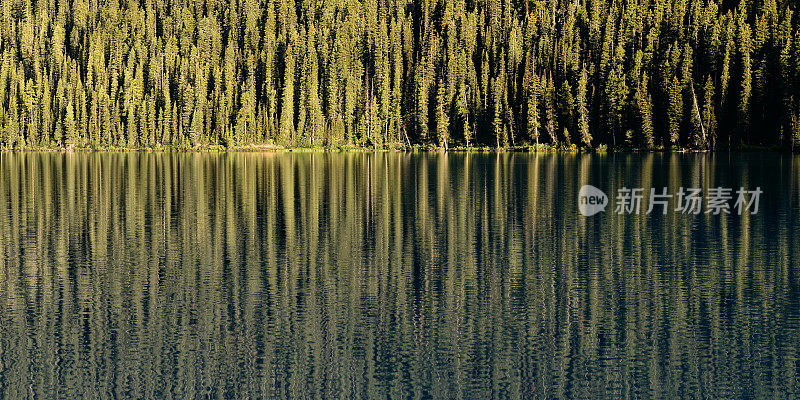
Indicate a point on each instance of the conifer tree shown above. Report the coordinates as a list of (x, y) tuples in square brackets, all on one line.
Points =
[(583, 110), (745, 93), (497, 121), (286, 133), (550, 112), (567, 110), (644, 106), (531, 93), (71, 126), (616, 98), (675, 110), (442, 119), (709, 114), (463, 113), (422, 100)]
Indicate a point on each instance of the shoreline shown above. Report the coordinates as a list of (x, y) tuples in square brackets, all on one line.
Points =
[(541, 148)]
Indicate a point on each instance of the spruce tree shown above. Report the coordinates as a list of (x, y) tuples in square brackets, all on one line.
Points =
[(746, 81), (644, 107), (550, 112), (583, 110), (286, 133), (442, 119), (675, 110), (709, 114)]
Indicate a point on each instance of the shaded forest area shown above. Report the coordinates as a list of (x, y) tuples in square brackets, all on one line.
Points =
[(388, 73)]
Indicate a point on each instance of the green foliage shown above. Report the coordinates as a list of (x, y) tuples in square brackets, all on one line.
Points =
[(675, 110), (583, 111), (360, 72), (645, 110), (442, 120)]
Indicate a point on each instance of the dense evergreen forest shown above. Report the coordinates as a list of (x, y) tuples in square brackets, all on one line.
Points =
[(391, 73)]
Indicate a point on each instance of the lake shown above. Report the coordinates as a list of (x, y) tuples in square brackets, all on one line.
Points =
[(393, 275)]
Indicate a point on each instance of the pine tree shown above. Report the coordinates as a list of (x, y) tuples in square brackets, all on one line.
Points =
[(462, 107), (566, 110), (442, 119), (675, 110), (616, 98), (131, 134), (532, 89), (397, 78), (583, 111), (71, 126), (422, 100), (497, 122), (316, 123), (709, 115), (382, 83), (745, 47), (644, 106), (550, 112), (286, 134)]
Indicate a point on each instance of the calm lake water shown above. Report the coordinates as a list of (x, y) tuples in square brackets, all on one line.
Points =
[(392, 275)]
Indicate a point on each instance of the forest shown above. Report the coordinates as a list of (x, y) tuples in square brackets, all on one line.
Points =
[(638, 74)]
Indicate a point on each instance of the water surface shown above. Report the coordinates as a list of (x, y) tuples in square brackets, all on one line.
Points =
[(392, 275)]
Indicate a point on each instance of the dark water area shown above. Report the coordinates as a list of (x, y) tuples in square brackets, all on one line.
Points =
[(393, 275)]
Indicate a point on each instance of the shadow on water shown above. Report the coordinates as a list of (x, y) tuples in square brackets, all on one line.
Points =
[(395, 275)]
